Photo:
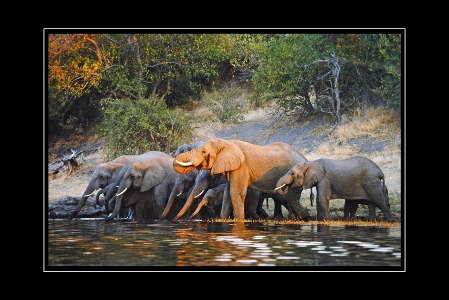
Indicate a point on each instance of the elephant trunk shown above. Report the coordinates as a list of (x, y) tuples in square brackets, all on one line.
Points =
[(97, 198), (202, 203), (282, 184), (173, 195), (182, 164), (90, 190), (186, 206), (109, 195), (118, 201)]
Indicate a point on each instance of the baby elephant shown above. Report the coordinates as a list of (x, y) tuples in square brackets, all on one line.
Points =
[(213, 200), (353, 178)]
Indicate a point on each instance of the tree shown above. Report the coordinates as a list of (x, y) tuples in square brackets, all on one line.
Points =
[(337, 68)]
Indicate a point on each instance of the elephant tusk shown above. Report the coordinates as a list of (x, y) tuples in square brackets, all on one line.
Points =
[(184, 164), (179, 194), (280, 187), (94, 192), (122, 192), (199, 194)]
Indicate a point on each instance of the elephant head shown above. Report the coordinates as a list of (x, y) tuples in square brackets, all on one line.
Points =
[(305, 174), (203, 181), (103, 175), (187, 147), (213, 196), (112, 191), (145, 176), (216, 155)]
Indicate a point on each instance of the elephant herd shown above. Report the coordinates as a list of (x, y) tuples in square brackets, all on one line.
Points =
[(230, 179)]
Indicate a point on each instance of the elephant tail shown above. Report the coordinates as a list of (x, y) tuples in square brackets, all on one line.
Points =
[(385, 191), (387, 198)]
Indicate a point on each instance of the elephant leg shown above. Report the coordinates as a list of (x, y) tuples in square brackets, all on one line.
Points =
[(322, 206), (259, 210), (161, 195), (226, 208), (350, 209), (377, 196), (140, 211), (238, 189), (372, 211), (238, 203), (278, 215), (299, 210)]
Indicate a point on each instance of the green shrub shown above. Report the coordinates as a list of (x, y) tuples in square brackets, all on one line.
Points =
[(224, 104), (134, 127)]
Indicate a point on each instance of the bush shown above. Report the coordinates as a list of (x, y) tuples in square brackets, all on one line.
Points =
[(134, 127), (224, 104)]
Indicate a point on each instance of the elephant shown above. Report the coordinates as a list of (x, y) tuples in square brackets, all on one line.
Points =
[(106, 173), (214, 198), (203, 181), (111, 190), (181, 190), (354, 178), (156, 175), (183, 182), (187, 147), (245, 165)]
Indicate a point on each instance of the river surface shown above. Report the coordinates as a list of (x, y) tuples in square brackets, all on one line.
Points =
[(98, 245)]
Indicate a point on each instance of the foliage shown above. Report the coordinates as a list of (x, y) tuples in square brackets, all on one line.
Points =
[(224, 104), (135, 127), (307, 73), (335, 66), (173, 67)]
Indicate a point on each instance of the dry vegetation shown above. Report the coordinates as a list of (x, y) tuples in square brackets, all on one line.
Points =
[(379, 124)]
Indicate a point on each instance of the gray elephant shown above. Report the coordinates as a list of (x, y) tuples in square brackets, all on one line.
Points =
[(156, 175), (187, 147), (111, 190), (203, 181), (213, 199), (245, 165), (106, 173), (180, 192), (353, 178)]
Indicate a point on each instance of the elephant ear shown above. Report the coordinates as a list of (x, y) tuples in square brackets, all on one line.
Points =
[(313, 174), (228, 157), (154, 175)]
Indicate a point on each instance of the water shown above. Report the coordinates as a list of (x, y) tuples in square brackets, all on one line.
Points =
[(93, 244)]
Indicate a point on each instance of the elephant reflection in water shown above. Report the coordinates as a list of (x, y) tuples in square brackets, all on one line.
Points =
[(226, 238)]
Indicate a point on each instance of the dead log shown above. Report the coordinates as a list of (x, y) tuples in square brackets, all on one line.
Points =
[(67, 163)]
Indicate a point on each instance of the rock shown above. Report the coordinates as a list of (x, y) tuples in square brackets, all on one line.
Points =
[(62, 208)]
